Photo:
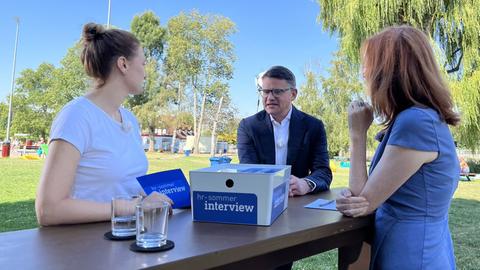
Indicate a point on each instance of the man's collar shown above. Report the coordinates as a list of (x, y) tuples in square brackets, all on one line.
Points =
[(289, 115)]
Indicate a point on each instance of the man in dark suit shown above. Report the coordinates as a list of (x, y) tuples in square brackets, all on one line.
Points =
[(281, 134)]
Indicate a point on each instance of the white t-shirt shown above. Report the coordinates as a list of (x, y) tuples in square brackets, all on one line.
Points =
[(112, 154)]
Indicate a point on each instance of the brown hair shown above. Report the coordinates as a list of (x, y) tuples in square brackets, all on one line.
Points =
[(103, 47), (401, 71), (282, 73)]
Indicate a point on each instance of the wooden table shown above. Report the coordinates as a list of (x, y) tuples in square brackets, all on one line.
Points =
[(298, 233)]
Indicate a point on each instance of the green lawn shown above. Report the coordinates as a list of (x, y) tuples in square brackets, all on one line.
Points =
[(19, 179)]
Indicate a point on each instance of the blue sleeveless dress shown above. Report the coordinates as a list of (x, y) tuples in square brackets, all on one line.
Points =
[(411, 227)]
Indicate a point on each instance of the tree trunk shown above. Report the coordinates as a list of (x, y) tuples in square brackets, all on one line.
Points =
[(151, 136), (214, 129), (174, 136), (200, 122), (195, 131)]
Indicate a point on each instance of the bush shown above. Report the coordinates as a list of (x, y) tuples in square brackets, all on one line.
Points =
[(474, 165)]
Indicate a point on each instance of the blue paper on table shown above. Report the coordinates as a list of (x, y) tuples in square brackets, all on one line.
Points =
[(171, 183), (323, 204)]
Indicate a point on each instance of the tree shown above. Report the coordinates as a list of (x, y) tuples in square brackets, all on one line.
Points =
[(453, 25), (155, 101), (466, 93), (199, 56), (177, 91), (181, 64), (147, 106), (330, 102), (70, 79), (146, 27), (219, 106), (224, 124), (151, 34), (228, 132), (32, 110), (310, 99), (3, 119), (342, 86), (42, 92)]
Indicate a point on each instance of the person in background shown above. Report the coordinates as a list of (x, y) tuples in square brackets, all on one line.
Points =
[(15, 143), (95, 149), (39, 151), (464, 168), (39, 147), (414, 171)]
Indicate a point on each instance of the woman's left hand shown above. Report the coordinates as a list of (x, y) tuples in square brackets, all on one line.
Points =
[(352, 206)]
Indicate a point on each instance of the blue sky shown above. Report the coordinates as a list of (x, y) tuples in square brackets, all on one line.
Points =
[(272, 32)]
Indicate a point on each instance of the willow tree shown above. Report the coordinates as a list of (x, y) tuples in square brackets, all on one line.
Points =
[(452, 25)]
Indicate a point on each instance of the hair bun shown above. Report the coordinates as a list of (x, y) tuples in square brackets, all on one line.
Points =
[(92, 31)]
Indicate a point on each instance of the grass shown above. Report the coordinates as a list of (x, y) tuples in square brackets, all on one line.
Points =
[(19, 180)]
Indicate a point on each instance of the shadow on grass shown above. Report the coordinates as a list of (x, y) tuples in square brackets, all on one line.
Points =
[(17, 216)]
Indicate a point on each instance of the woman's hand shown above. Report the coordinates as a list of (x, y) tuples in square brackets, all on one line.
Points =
[(126, 207), (360, 117), (156, 196), (352, 206)]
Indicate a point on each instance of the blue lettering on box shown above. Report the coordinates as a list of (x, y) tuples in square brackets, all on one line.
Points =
[(222, 207), (278, 200)]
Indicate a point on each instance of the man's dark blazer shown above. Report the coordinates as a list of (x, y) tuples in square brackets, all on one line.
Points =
[(307, 146)]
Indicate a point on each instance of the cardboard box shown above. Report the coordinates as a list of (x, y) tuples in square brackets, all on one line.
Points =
[(240, 193)]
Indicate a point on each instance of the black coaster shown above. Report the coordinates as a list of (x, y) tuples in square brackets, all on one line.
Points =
[(110, 236), (169, 245)]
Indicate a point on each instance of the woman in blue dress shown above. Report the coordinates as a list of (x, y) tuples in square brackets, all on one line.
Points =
[(415, 170)]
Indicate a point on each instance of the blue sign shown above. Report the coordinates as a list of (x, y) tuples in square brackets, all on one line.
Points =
[(278, 200), (171, 183), (222, 207)]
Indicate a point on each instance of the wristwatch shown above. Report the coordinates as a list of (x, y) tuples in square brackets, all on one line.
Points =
[(311, 184)]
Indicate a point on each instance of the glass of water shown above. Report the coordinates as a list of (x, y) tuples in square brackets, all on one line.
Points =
[(152, 223), (123, 215)]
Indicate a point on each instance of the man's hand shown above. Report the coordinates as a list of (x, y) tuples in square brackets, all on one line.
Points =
[(352, 206), (298, 186)]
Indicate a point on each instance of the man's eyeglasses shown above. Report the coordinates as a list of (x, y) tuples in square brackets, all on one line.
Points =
[(275, 92)]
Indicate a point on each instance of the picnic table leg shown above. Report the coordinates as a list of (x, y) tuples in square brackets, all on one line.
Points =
[(354, 257)]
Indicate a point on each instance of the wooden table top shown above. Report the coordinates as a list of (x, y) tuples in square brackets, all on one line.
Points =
[(197, 245)]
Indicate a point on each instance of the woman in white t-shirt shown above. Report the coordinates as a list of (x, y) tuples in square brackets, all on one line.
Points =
[(95, 149)]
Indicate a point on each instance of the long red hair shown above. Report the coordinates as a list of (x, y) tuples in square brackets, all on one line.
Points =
[(401, 72)]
